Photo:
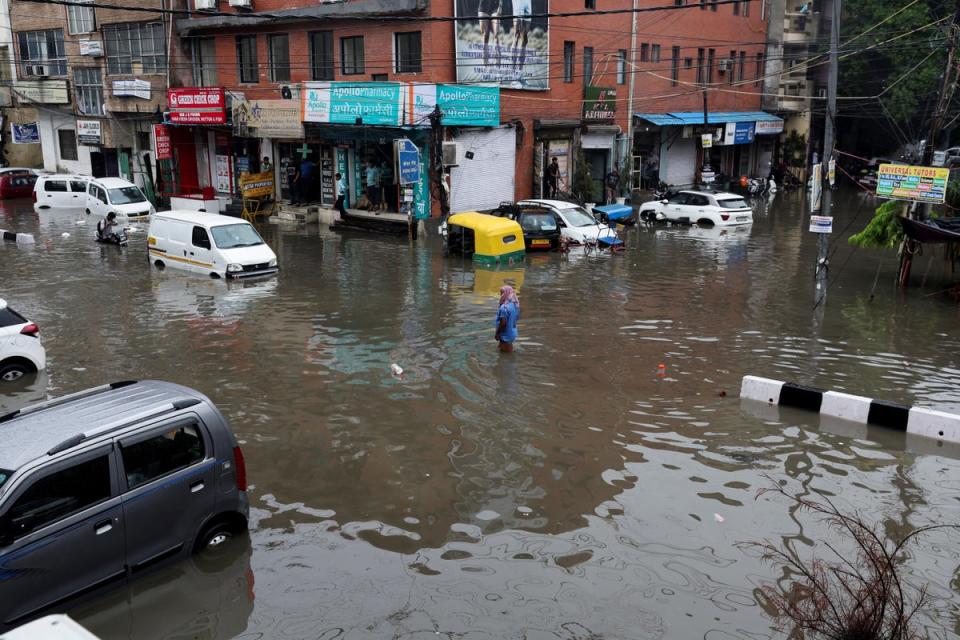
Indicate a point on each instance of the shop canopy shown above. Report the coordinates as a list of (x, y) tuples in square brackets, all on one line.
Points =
[(685, 118)]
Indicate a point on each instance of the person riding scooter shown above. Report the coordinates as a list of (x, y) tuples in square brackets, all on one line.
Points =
[(108, 230)]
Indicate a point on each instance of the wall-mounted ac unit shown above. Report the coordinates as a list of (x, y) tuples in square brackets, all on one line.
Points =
[(452, 154), (38, 70), (205, 5), (242, 4), (723, 65)]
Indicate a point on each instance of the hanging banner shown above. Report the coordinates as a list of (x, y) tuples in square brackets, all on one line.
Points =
[(161, 137), (25, 133), (514, 54), (88, 132), (369, 103), (197, 105), (916, 184), (133, 88)]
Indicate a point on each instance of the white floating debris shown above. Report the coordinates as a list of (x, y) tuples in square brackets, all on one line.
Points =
[(488, 515), (718, 517), (25, 238), (64, 235), (81, 222), (524, 510), (396, 370)]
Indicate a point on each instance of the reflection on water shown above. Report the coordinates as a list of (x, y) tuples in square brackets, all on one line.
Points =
[(568, 489)]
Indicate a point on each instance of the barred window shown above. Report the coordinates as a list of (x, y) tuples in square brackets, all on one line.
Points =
[(135, 47), (351, 55), (247, 59), (204, 62), (407, 50), (80, 19), (321, 55), (68, 144), (278, 47), (42, 49), (88, 86)]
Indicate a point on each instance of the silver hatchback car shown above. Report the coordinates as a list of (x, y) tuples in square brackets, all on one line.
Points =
[(100, 485)]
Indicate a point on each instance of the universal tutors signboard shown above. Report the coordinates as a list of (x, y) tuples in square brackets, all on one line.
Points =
[(197, 105)]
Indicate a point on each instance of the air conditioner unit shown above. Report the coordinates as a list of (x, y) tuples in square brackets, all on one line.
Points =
[(242, 4), (205, 5), (452, 154), (723, 65), (38, 70)]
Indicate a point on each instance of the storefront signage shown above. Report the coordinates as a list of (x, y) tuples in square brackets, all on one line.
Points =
[(740, 132), (519, 59), (821, 224), (197, 105), (132, 88), (276, 119), (769, 127), (369, 103), (460, 105), (816, 187), (161, 136), (832, 172), (89, 132), (917, 184), (28, 133), (256, 185), (408, 158), (599, 104), (706, 140), (42, 91), (421, 192), (91, 48)]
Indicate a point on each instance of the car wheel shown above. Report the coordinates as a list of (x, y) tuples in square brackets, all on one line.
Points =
[(159, 265), (13, 371), (705, 222), (214, 537)]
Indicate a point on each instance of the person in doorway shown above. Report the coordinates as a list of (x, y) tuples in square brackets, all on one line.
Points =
[(341, 195), (293, 182), (373, 184), (508, 312), (386, 186), (489, 13), (612, 181), (266, 165), (108, 227), (305, 180), (553, 177), (522, 10)]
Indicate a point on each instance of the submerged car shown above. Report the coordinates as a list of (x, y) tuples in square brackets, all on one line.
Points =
[(115, 195), (17, 183), (716, 208), (21, 351), (577, 225), (541, 226)]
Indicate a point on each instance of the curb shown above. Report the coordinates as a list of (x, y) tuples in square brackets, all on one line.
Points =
[(19, 238), (892, 415)]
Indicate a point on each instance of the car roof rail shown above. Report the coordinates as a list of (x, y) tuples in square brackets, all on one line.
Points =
[(152, 412), (40, 406)]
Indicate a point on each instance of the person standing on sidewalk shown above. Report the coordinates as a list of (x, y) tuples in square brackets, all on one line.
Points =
[(305, 181), (341, 195), (293, 176)]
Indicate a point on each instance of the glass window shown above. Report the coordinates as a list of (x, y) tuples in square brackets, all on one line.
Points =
[(743, 63), (736, 7), (126, 195), (78, 186), (68, 144), (351, 56), (80, 19), (700, 61), (407, 51), (4, 474), (162, 454), (88, 86), (321, 55), (42, 49), (59, 495), (759, 69), (746, 8), (203, 53), (538, 222), (135, 47), (622, 66), (200, 238), (713, 5), (55, 185), (655, 53), (9, 317), (678, 198), (711, 58), (675, 65), (578, 217), (590, 4), (732, 203), (247, 59), (231, 236), (278, 47), (644, 52), (568, 53), (587, 65)]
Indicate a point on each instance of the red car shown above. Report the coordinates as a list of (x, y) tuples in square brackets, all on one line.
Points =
[(17, 183)]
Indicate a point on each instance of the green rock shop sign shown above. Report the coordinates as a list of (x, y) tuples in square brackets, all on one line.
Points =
[(599, 104)]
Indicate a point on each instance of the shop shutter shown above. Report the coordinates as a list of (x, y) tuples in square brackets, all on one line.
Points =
[(597, 140), (487, 179), (681, 165)]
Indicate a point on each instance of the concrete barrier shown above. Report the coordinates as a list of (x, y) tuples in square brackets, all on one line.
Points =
[(19, 238), (920, 421)]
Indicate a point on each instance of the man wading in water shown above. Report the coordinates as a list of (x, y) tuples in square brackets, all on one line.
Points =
[(507, 315)]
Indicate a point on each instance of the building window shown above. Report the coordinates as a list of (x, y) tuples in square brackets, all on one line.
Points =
[(589, 4), (88, 86), (746, 9), (68, 144), (675, 65), (700, 61), (732, 67), (703, 5), (568, 53), (143, 140), (80, 19), (644, 52), (351, 55), (135, 48), (713, 5), (247, 59), (43, 49), (679, 3), (587, 66), (736, 7), (688, 63), (655, 53), (711, 58), (278, 50), (622, 66), (380, 77), (743, 64), (321, 55), (407, 52), (203, 52), (759, 69)]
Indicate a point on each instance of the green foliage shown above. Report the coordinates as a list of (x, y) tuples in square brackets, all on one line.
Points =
[(879, 70), (953, 194), (582, 180), (884, 231), (795, 149)]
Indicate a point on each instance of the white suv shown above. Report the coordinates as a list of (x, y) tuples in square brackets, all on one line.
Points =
[(699, 207), (21, 351)]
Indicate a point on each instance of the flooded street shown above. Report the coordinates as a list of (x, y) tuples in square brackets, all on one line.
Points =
[(568, 490)]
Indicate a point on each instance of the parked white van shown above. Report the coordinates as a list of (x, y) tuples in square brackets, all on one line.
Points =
[(60, 191), (122, 197), (208, 243)]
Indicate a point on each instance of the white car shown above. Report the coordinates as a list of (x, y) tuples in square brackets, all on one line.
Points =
[(577, 225), (122, 197), (699, 207), (21, 351), (60, 191)]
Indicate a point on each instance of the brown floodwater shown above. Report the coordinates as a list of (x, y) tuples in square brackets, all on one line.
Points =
[(573, 489)]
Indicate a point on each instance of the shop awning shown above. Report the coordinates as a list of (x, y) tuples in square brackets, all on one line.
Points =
[(684, 118)]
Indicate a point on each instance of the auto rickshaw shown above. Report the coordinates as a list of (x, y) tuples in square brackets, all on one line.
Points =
[(485, 238)]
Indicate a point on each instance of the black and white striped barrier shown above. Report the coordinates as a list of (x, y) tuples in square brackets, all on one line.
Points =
[(916, 420), (19, 238)]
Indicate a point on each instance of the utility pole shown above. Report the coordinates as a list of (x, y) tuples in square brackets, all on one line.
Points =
[(628, 161), (829, 140), (436, 160)]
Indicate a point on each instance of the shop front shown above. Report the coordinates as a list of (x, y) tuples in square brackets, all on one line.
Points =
[(195, 149)]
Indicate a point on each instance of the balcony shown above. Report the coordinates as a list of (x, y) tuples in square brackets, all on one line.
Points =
[(800, 28), (794, 95)]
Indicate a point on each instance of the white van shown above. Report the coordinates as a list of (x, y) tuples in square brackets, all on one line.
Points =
[(208, 243), (120, 196), (60, 191)]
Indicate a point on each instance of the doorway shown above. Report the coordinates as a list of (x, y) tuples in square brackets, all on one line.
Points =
[(597, 159)]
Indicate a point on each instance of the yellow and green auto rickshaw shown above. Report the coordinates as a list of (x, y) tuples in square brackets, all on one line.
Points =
[(487, 239)]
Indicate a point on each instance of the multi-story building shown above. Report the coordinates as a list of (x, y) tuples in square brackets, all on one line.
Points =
[(97, 79)]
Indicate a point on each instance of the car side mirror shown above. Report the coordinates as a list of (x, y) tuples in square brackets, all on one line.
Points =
[(6, 534), (664, 201)]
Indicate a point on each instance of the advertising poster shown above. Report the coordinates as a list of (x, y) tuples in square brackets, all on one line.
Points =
[(25, 133), (377, 103), (503, 42), (88, 132), (161, 135), (197, 105), (916, 184)]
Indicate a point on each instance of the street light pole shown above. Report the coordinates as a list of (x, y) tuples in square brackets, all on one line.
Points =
[(829, 140)]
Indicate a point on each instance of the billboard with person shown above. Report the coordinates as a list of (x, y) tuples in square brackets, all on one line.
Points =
[(503, 42)]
